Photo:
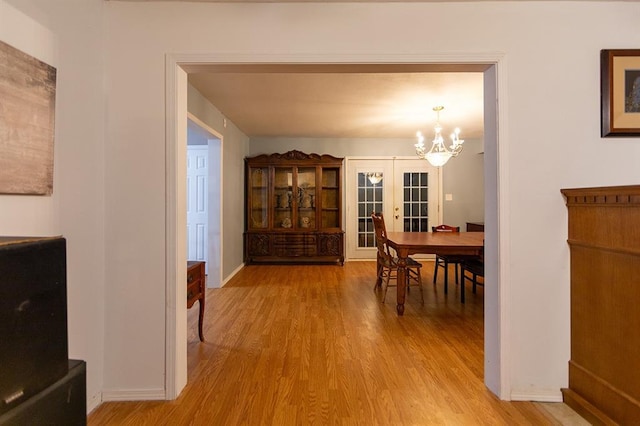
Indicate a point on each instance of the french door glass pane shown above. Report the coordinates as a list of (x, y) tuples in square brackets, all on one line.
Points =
[(416, 202), (369, 200)]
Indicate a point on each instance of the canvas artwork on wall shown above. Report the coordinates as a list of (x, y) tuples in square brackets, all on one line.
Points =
[(27, 116)]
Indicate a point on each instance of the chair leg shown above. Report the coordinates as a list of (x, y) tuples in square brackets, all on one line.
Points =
[(386, 286), (446, 277), (420, 285), (455, 266), (379, 271), (435, 271), (462, 287), (378, 279)]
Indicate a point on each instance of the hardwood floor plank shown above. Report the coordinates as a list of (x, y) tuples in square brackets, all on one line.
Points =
[(306, 345)]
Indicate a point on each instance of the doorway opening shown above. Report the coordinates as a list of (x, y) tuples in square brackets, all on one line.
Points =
[(204, 221), (495, 182)]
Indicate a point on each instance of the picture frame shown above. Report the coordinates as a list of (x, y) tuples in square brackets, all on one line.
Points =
[(620, 92)]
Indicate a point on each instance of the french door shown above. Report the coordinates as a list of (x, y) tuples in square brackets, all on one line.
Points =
[(406, 191)]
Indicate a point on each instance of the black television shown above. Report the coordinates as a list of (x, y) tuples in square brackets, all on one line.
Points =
[(33, 316)]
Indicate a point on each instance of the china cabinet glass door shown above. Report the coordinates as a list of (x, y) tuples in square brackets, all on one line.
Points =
[(330, 202), (283, 198), (258, 198), (306, 199)]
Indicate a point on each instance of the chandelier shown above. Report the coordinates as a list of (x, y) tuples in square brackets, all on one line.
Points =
[(438, 155)]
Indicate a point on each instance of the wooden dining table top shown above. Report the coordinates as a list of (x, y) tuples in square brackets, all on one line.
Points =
[(407, 243)]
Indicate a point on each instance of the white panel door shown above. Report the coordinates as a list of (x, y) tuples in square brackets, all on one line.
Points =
[(197, 210), (408, 195)]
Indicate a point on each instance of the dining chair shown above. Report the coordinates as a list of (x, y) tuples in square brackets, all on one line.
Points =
[(476, 268), (443, 261), (388, 263)]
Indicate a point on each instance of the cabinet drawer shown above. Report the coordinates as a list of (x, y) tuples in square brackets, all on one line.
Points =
[(193, 274), (258, 244), (331, 244), (195, 282), (295, 245), (293, 239), (193, 292)]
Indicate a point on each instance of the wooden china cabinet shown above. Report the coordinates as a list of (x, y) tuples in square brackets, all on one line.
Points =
[(294, 209)]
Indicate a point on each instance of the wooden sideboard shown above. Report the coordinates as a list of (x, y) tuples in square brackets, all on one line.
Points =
[(604, 238), (196, 290)]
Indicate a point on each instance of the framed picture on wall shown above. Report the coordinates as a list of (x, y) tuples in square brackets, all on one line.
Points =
[(27, 114), (620, 92)]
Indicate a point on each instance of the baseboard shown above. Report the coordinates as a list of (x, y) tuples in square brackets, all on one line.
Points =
[(93, 402), (134, 395), (537, 396), (585, 409), (591, 393), (232, 274)]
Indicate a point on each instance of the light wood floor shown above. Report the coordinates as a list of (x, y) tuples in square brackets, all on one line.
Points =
[(298, 345)]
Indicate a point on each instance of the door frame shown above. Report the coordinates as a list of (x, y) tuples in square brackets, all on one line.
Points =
[(497, 196)]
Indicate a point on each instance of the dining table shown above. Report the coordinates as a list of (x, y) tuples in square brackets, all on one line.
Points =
[(407, 243)]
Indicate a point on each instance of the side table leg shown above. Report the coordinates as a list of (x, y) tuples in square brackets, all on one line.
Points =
[(200, 319)]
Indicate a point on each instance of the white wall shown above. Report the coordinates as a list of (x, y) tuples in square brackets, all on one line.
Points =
[(109, 192), (26, 214), (551, 101), (462, 178), (68, 35), (235, 146)]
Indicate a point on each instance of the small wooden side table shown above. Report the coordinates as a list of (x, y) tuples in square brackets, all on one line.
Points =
[(196, 289)]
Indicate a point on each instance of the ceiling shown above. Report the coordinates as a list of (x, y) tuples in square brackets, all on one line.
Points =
[(344, 100)]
